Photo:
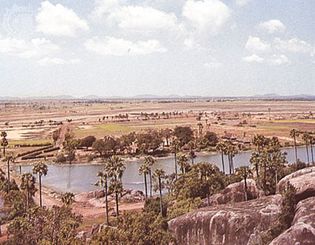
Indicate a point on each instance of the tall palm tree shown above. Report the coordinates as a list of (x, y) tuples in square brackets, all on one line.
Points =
[(28, 185), (231, 151), (175, 149), (144, 170), (4, 141), (221, 147), (159, 174), (8, 159), (255, 160), (183, 163), (115, 169), (40, 169), (150, 161), (67, 198), (312, 142), (294, 134), (192, 154), (103, 182), (306, 138), (244, 172)]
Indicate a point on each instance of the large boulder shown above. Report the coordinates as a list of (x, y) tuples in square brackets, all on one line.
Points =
[(237, 224), (302, 231), (302, 180), (236, 193)]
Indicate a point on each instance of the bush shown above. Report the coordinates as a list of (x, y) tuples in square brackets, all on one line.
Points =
[(60, 158)]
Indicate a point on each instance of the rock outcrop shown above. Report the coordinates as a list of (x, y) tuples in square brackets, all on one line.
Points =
[(302, 231), (303, 181), (237, 224), (236, 193)]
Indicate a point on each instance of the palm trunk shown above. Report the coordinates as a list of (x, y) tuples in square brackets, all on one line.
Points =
[(245, 184), (117, 208), (40, 190), (3, 151), (161, 203), (307, 153), (150, 173), (8, 170), (175, 158), (312, 153), (232, 164), (106, 201), (295, 149), (257, 171), (222, 160), (145, 185)]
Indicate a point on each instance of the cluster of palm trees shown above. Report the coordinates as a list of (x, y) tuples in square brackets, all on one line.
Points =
[(230, 150), (110, 179), (309, 140)]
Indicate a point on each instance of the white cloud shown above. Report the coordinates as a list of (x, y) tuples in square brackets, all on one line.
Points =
[(207, 15), (279, 60), (121, 47), (142, 18), (58, 20), (57, 61), (213, 65), (293, 45), (104, 7), (242, 2), (272, 26), (255, 44), (27, 49), (253, 59)]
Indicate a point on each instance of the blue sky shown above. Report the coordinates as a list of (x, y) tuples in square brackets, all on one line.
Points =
[(162, 47)]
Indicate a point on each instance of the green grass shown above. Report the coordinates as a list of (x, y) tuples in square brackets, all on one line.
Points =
[(29, 142), (102, 130)]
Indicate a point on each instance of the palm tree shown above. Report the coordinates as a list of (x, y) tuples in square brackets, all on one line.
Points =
[(103, 182), (150, 161), (115, 168), (67, 198), (221, 147), (192, 154), (175, 149), (8, 159), (255, 160), (306, 137), (144, 170), (231, 151), (40, 169), (4, 141), (244, 173), (312, 142), (28, 185), (293, 134), (183, 163), (159, 174)]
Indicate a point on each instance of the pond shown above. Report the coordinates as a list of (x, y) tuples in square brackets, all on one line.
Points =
[(82, 178)]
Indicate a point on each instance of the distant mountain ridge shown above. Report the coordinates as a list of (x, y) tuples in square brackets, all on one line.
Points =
[(159, 97)]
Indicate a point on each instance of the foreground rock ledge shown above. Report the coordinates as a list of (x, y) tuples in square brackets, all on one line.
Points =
[(302, 231), (235, 224)]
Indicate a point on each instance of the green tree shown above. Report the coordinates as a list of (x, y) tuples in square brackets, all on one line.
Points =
[(175, 148), (150, 161), (221, 147), (144, 170), (307, 138), (183, 135), (115, 170), (28, 186), (159, 174), (294, 134), (103, 182), (67, 198), (41, 169), (245, 173), (183, 163), (4, 141)]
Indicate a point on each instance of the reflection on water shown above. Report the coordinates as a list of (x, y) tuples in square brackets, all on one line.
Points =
[(82, 178)]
